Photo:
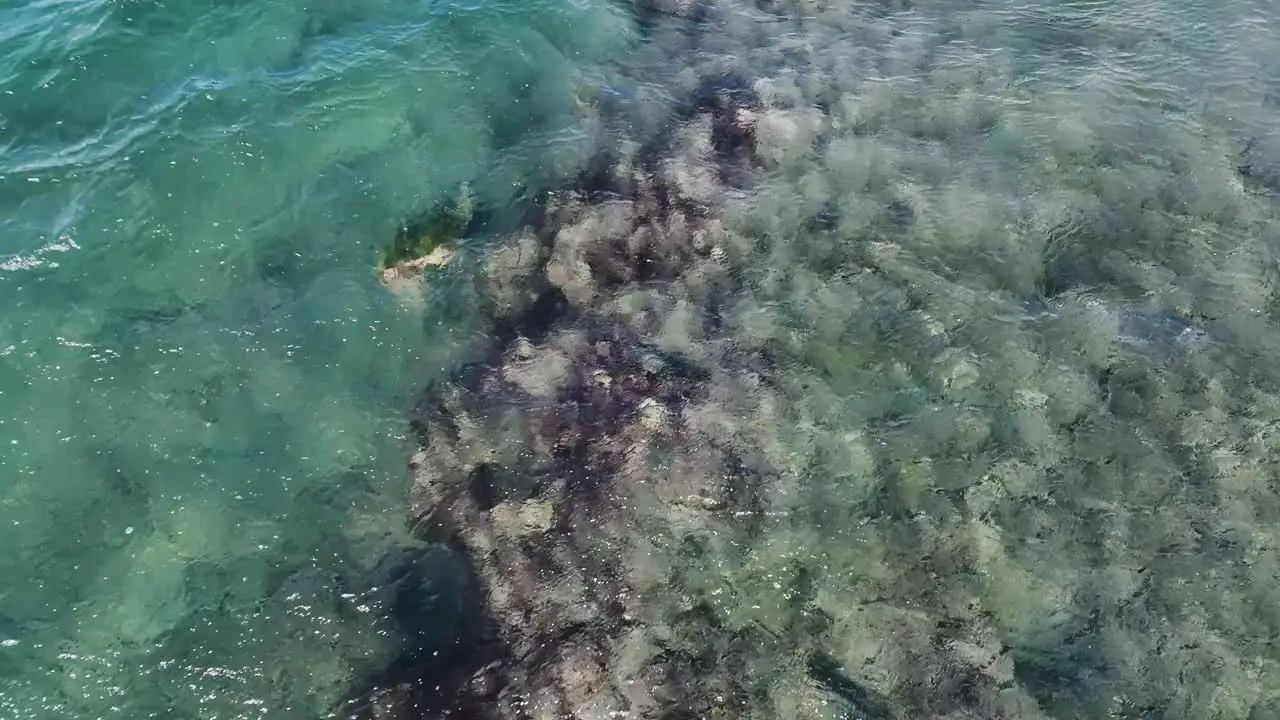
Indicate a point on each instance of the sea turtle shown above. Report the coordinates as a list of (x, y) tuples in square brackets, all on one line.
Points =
[(428, 241)]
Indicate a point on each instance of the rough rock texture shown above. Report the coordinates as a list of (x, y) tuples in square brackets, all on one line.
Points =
[(611, 472), (810, 408), (565, 465)]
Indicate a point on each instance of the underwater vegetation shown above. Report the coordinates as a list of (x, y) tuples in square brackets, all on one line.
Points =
[(848, 397)]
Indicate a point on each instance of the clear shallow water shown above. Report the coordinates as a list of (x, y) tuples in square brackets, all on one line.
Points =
[(203, 385), (1084, 481)]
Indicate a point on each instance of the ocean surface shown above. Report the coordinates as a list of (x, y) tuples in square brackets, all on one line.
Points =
[(204, 386), (205, 390)]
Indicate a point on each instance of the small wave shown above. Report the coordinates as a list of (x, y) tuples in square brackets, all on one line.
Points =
[(47, 32), (117, 139), (39, 257)]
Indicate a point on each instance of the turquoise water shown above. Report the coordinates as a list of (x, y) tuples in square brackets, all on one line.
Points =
[(203, 385), (204, 390)]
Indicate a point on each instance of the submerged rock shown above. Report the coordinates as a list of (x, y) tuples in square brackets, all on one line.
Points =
[(709, 466), (615, 472)]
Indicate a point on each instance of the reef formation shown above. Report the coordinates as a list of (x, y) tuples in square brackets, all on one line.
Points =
[(608, 474), (744, 443)]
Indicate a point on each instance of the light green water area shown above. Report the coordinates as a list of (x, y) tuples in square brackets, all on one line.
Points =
[(204, 388)]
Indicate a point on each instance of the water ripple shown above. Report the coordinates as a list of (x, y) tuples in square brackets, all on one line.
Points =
[(102, 147)]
